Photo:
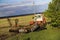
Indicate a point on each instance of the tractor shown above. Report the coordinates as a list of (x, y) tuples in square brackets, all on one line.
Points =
[(38, 21)]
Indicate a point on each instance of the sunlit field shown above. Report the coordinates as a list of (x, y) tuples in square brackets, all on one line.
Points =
[(22, 20), (50, 33)]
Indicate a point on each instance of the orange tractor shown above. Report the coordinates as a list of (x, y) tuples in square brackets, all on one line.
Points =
[(38, 21)]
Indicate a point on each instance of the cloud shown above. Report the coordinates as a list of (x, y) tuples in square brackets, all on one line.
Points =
[(9, 12), (15, 5), (10, 6), (42, 2), (24, 3)]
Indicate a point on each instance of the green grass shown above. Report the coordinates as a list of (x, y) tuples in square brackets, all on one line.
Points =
[(48, 34)]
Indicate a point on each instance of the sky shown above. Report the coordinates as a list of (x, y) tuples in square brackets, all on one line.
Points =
[(37, 2), (41, 2), (17, 7)]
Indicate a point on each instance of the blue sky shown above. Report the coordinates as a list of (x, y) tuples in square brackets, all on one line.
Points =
[(17, 7), (38, 2), (42, 1)]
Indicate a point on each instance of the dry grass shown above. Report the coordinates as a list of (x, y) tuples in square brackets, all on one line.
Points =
[(4, 24), (23, 20)]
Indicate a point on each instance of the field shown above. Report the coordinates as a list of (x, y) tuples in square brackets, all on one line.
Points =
[(50, 33)]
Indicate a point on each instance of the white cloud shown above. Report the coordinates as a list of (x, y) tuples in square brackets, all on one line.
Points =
[(29, 3), (15, 5), (7, 12), (41, 3)]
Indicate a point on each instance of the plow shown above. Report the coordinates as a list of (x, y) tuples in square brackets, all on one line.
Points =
[(38, 21)]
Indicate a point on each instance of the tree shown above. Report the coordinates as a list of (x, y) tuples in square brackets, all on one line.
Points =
[(53, 12)]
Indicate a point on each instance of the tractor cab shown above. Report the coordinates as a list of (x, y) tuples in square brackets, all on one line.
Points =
[(38, 17)]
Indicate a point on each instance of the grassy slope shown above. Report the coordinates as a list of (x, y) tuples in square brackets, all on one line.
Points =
[(48, 34)]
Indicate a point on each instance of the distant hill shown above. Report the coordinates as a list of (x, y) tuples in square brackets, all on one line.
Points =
[(5, 10)]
